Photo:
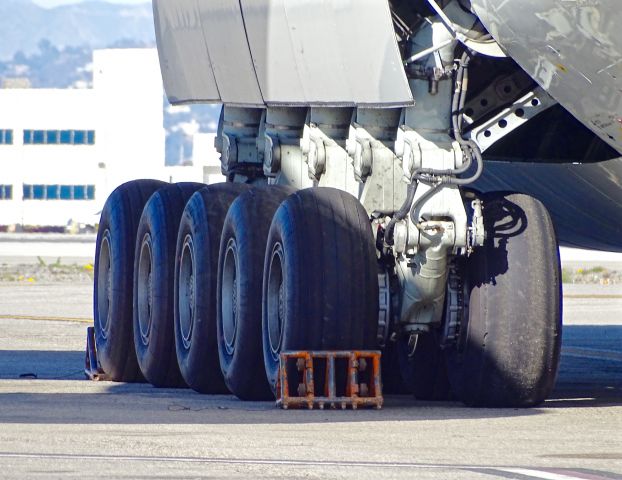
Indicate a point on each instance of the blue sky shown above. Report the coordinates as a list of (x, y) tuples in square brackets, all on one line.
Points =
[(55, 3)]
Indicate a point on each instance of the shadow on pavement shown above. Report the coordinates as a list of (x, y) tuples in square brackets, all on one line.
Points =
[(590, 376)]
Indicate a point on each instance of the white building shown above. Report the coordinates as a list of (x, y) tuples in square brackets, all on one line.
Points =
[(63, 151)]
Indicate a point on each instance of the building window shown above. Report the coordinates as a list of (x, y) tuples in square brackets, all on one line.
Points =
[(66, 192), (59, 192), (52, 137), (38, 192), (6, 137), (58, 137), (52, 192), (38, 137), (6, 192)]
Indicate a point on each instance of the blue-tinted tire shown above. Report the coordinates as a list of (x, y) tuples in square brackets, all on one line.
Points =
[(114, 273)]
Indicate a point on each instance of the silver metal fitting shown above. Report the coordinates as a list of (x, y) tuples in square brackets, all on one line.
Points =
[(360, 151), (228, 151), (314, 153), (271, 155)]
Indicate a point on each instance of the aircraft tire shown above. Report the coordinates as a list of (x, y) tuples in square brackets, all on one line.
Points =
[(113, 279), (154, 275), (424, 372), (508, 351), (196, 268), (392, 381), (320, 277), (240, 277)]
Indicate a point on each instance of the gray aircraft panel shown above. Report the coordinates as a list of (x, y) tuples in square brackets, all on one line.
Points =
[(223, 29), (184, 58), (268, 37), (315, 52), (377, 61), (572, 49), (585, 201)]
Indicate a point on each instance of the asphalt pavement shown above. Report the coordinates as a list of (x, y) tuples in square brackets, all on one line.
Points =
[(55, 424)]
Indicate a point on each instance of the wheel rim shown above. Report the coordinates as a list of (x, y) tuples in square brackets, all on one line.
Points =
[(229, 298), (187, 288), (275, 302), (104, 284), (145, 289)]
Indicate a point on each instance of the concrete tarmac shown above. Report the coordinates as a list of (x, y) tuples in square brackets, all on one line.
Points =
[(59, 425)]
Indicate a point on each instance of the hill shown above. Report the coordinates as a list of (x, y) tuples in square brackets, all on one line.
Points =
[(95, 24)]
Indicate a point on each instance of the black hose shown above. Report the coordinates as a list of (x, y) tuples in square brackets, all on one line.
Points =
[(400, 214), (475, 152), (421, 200), (459, 98)]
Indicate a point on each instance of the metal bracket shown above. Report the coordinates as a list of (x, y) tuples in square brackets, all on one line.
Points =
[(229, 153), (454, 308), (477, 230), (271, 155), (92, 370), (303, 370), (360, 150), (237, 132), (508, 120), (502, 91), (314, 153), (417, 152)]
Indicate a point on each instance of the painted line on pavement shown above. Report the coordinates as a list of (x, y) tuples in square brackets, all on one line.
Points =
[(46, 318), (557, 474)]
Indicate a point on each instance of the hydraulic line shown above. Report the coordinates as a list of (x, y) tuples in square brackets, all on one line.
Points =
[(438, 178), (401, 213)]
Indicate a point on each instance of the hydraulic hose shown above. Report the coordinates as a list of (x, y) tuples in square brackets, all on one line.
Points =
[(438, 178), (400, 214)]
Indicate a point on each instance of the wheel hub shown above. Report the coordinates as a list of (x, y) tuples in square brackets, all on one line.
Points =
[(229, 297), (276, 304), (186, 295), (104, 285), (145, 289)]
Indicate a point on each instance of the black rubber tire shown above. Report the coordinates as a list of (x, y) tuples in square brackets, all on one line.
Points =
[(508, 351), (154, 276), (321, 263), (424, 373), (112, 295), (242, 252), (198, 241), (392, 381)]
